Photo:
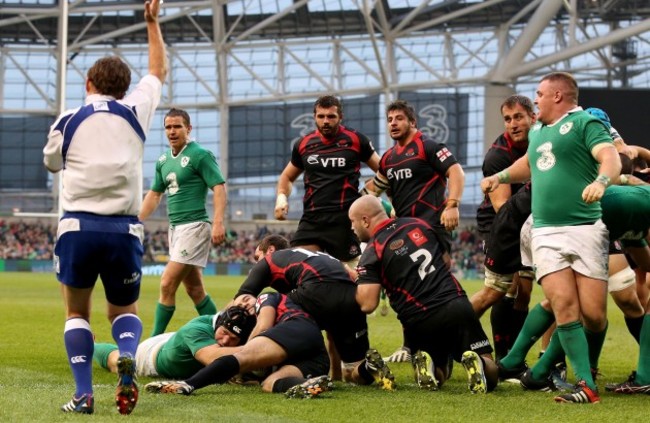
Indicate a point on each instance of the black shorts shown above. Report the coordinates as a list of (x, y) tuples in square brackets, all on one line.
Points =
[(615, 247), (299, 337), (333, 234), (448, 330), (501, 247), (335, 309)]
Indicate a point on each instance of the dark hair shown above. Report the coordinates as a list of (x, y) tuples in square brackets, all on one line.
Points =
[(173, 112), (639, 163), (521, 100), (626, 164), (403, 106), (277, 241), (570, 84), (110, 76), (238, 321), (327, 101)]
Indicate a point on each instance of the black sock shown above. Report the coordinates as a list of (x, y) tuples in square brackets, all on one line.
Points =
[(500, 317), (517, 322), (364, 373), (219, 371), (634, 326), (283, 385)]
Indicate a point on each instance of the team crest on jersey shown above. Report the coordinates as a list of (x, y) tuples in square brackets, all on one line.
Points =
[(343, 144), (185, 161), (397, 244), (354, 250), (417, 237), (564, 129), (410, 152), (443, 154), (162, 159)]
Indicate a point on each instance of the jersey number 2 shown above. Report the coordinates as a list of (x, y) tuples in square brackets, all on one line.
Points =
[(426, 266)]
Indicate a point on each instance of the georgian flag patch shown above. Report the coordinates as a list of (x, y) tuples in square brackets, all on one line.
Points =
[(443, 154)]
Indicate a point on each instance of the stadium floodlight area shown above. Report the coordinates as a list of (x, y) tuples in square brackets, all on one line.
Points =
[(249, 71)]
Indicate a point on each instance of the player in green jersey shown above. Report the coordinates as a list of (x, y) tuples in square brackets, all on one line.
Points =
[(186, 171), (180, 354), (571, 160)]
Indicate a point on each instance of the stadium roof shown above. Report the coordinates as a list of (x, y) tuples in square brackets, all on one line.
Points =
[(501, 41)]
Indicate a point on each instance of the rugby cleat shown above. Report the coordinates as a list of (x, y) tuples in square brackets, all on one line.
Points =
[(582, 394), (85, 404), (531, 384), (475, 373), (376, 366), (310, 388), (630, 386), (511, 375), (126, 394), (424, 371), (169, 387)]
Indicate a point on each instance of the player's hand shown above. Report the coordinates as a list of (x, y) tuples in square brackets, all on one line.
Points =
[(593, 192), (450, 218), (218, 233), (281, 207), (151, 10), (489, 184)]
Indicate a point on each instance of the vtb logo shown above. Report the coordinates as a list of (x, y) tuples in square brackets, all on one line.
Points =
[(399, 174), (78, 359), (314, 159)]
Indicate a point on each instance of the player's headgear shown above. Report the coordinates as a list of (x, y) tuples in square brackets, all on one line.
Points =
[(601, 115), (237, 320)]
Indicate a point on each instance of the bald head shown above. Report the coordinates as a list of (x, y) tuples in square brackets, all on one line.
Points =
[(365, 214)]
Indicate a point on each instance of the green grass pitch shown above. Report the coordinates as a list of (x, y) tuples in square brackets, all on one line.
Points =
[(35, 379)]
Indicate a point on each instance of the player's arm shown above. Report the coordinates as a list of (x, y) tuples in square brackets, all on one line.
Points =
[(518, 172), (285, 184), (641, 152), (368, 296), (157, 54), (499, 196), (375, 185), (455, 184), (265, 320), (610, 169), (219, 210), (258, 278), (373, 162), (149, 204), (207, 355)]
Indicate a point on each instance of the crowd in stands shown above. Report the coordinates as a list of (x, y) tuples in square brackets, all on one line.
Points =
[(35, 241)]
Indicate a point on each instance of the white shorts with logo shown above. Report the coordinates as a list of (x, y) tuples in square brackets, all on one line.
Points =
[(583, 248), (190, 243), (147, 353)]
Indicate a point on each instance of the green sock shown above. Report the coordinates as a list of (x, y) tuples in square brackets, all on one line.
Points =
[(546, 363), (643, 368), (161, 319), (101, 353), (207, 306), (574, 343), (595, 340), (537, 322)]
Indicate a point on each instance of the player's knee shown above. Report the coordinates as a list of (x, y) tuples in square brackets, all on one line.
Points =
[(621, 280)]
